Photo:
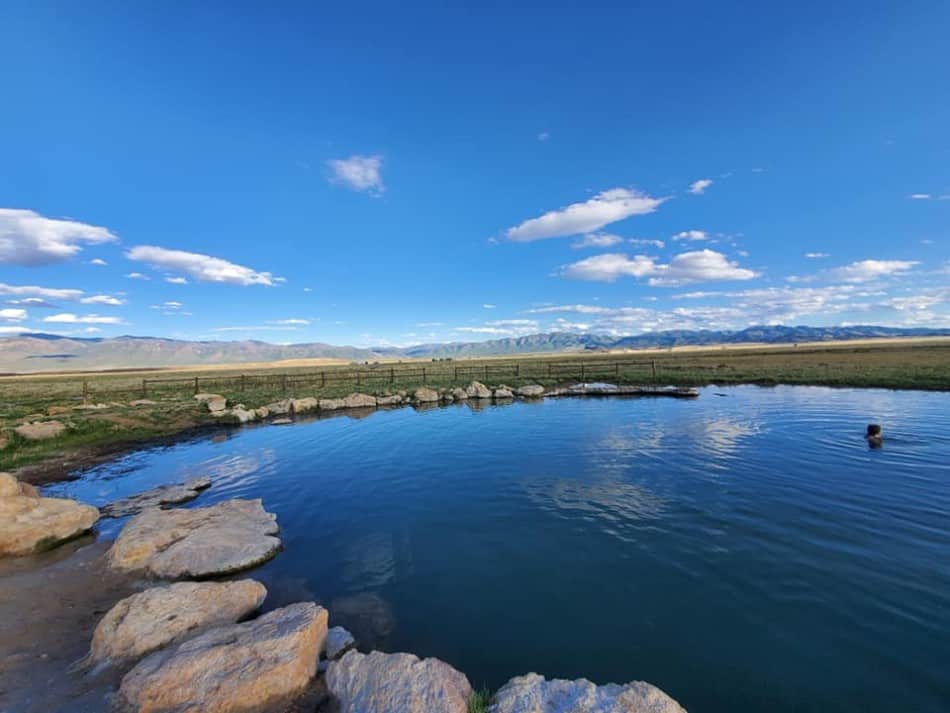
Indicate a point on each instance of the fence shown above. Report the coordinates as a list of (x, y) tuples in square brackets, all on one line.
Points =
[(290, 381)]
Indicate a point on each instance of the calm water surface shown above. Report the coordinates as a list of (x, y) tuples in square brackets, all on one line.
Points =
[(743, 552)]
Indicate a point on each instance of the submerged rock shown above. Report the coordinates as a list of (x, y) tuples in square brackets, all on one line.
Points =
[(531, 391), (223, 538), (382, 683), (533, 694), (255, 666), (29, 523), (157, 617), (40, 430), (423, 395), (359, 401), (156, 497), (478, 390), (281, 421), (338, 642)]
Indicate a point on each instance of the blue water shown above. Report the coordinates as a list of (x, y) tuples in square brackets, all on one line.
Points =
[(742, 552)]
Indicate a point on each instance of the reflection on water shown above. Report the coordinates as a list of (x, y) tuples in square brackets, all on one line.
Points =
[(746, 552)]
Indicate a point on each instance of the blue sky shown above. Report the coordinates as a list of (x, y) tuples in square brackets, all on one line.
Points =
[(393, 175)]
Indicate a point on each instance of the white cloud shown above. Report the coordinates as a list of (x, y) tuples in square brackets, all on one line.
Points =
[(591, 215), (816, 256), (864, 270), (12, 315), (257, 328), (503, 328), (544, 136), (692, 235), (32, 302), (101, 300), (360, 173), (172, 304), (28, 238), (291, 321), (488, 306), (201, 267), (685, 268), (45, 293), (176, 280), (697, 187), (647, 242), (921, 196), (597, 240), (98, 261), (70, 318), (17, 330), (138, 276)]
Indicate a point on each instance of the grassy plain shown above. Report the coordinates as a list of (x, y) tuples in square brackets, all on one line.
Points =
[(901, 364)]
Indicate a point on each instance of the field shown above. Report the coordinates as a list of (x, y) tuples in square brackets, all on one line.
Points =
[(114, 424)]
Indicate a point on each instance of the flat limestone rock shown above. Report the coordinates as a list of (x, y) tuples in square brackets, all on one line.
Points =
[(254, 666), (331, 404), (381, 683), (157, 497), (10, 486), (176, 544), (32, 524), (478, 390), (531, 391), (302, 405), (533, 694), (359, 401), (393, 400), (157, 617), (40, 430), (424, 396), (338, 642)]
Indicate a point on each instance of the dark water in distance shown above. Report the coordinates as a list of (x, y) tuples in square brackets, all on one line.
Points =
[(745, 552)]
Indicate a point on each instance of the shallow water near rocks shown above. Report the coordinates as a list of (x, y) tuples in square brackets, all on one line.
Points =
[(742, 552)]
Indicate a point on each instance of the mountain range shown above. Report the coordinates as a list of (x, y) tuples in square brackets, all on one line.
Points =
[(48, 352)]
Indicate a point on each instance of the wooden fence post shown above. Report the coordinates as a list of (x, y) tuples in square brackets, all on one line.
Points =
[(517, 369), (653, 364), (283, 383), (423, 375), (85, 391), (243, 382), (323, 379), (617, 368), (357, 378), (196, 385), (392, 375), (144, 388)]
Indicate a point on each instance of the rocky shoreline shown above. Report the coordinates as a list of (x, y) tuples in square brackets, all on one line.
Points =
[(192, 642)]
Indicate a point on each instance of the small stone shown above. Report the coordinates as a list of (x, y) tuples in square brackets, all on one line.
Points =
[(459, 394), (384, 683), (174, 544), (423, 395), (157, 617), (256, 666), (533, 694), (531, 391), (40, 430), (478, 390), (503, 392), (359, 401), (338, 642)]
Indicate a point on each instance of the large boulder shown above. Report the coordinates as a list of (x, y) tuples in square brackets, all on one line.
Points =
[(393, 400), (423, 395), (32, 524), (157, 617), (256, 666), (156, 497), (478, 390), (243, 415), (531, 391), (216, 403), (331, 404), (279, 408), (459, 394), (10, 486), (303, 405), (503, 392), (533, 694), (382, 683), (359, 401), (202, 542), (40, 430)]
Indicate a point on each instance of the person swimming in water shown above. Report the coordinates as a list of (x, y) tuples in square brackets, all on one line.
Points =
[(873, 435)]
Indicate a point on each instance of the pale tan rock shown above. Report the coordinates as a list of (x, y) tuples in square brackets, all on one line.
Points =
[(531, 391), (227, 537), (93, 407), (423, 395), (478, 390), (459, 394), (156, 497), (9, 486), (216, 403), (533, 694), (141, 402), (40, 430), (57, 410), (503, 392), (303, 405), (279, 408), (31, 524), (359, 401), (254, 666), (331, 404), (394, 400), (243, 415), (382, 683), (157, 617), (262, 412)]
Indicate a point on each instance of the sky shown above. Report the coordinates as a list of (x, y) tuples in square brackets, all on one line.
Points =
[(385, 174)]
